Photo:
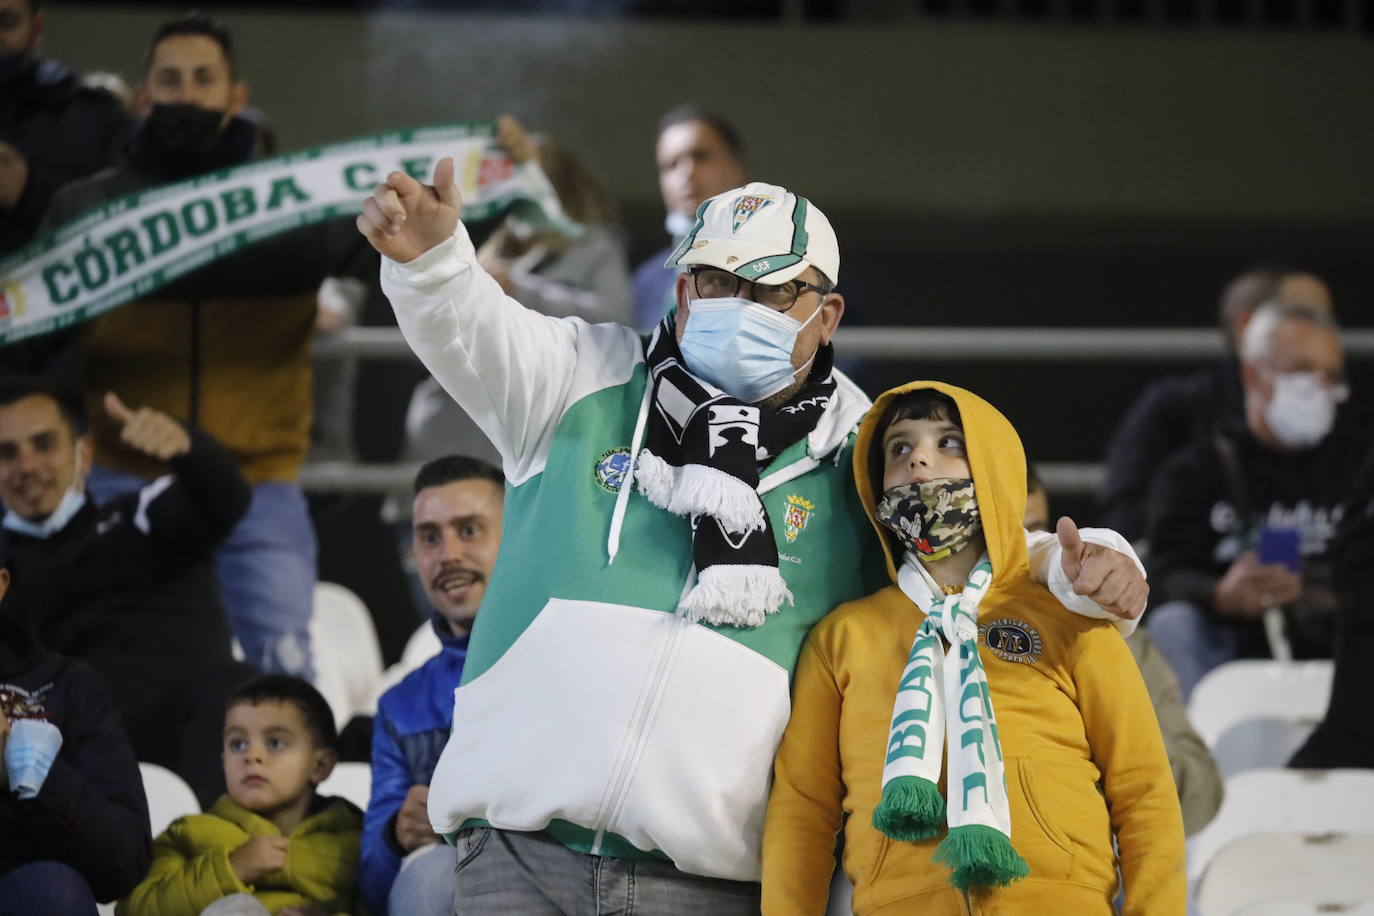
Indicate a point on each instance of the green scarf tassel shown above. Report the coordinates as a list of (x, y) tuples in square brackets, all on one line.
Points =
[(912, 809), (980, 856)]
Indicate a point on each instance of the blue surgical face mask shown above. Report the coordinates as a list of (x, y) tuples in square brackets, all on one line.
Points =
[(741, 347)]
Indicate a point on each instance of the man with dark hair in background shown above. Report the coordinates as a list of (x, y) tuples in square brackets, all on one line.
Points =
[(127, 587), (225, 348), (1172, 412), (52, 128), (699, 155), (456, 528), (73, 819)]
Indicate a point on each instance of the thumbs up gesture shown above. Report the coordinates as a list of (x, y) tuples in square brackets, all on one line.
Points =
[(1107, 576), (149, 431), (404, 218)]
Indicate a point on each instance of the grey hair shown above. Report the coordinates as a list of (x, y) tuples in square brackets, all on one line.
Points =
[(1257, 340)]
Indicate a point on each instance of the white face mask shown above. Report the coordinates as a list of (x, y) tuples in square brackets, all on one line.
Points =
[(67, 507), (1302, 409)]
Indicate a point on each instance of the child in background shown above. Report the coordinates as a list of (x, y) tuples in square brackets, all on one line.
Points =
[(271, 844), (1004, 814)]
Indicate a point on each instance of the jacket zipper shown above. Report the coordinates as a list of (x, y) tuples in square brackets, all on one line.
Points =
[(649, 698)]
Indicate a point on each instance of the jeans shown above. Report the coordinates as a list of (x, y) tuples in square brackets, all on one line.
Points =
[(45, 887), (532, 874), (267, 571), (1191, 641), (424, 885)]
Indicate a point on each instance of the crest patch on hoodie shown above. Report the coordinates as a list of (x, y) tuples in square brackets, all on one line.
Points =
[(611, 468), (1012, 640)]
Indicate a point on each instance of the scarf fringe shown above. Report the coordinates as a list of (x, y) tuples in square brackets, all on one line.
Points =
[(656, 478), (736, 596), (912, 809), (697, 489), (703, 490), (980, 856)]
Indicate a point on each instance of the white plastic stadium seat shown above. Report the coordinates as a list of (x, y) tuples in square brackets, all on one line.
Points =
[(1259, 744), (352, 781), (348, 657), (1296, 801), (1305, 908), (169, 797), (1247, 689), (1332, 869)]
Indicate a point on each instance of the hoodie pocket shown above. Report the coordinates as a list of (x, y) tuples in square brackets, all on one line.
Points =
[(1045, 846)]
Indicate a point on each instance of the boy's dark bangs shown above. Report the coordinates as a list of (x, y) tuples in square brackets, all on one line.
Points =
[(921, 404)]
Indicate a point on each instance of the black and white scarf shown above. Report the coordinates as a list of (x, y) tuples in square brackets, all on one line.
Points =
[(701, 458)]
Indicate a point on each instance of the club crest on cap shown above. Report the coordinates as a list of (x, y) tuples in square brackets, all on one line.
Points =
[(745, 208)]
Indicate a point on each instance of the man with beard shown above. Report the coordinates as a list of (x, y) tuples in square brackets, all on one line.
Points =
[(53, 130), (456, 528), (225, 348)]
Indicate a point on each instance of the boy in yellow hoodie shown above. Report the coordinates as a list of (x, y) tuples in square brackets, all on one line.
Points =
[(984, 745), (271, 844)]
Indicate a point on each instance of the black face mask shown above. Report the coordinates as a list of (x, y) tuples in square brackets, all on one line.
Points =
[(184, 129)]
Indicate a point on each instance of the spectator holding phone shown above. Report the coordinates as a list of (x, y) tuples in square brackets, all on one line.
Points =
[(1240, 521)]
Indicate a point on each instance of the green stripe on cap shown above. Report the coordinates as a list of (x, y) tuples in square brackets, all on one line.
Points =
[(763, 266), (686, 244), (800, 238)]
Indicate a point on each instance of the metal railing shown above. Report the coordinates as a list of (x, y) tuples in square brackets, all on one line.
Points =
[(879, 344)]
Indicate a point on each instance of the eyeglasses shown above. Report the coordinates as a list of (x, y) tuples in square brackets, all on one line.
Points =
[(721, 284)]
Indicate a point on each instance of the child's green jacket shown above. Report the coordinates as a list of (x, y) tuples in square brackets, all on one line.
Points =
[(191, 862)]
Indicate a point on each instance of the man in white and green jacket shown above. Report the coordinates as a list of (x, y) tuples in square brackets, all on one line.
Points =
[(680, 510)]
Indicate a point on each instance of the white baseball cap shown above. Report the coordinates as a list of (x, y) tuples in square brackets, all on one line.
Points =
[(761, 232)]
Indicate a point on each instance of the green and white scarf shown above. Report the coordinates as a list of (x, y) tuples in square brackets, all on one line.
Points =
[(947, 691)]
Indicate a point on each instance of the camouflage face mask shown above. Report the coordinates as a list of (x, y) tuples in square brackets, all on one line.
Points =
[(932, 519)]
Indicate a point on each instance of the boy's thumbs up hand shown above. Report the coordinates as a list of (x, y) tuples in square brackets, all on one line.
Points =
[(149, 431), (1107, 576)]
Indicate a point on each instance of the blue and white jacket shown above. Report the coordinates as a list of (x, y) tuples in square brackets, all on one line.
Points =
[(411, 728)]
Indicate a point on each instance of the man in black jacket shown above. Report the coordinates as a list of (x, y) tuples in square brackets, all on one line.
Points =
[(1175, 411), (52, 129), (1241, 521), (84, 835), (128, 587)]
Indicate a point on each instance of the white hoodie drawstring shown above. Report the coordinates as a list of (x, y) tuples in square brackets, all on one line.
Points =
[(622, 499)]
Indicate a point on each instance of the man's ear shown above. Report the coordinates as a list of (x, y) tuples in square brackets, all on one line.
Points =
[(84, 455), (4, 582), (238, 98), (142, 103), (1252, 379), (325, 760), (36, 39), (832, 310)]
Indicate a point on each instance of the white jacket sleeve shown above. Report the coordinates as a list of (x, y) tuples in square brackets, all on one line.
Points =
[(509, 367), (1044, 553)]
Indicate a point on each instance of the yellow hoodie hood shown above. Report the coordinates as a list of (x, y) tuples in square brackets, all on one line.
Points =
[(997, 463)]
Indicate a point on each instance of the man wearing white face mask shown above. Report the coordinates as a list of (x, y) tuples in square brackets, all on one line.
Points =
[(680, 510), (1240, 522)]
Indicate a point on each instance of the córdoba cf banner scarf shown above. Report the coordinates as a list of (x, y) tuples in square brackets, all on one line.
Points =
[(128, 247)]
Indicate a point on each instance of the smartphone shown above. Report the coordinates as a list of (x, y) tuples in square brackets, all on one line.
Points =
[(1280, 547)]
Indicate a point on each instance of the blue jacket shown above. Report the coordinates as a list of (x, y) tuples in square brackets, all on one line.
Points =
[(411, 728)]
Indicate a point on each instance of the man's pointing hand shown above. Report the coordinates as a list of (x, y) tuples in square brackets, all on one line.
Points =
[(404, 218)]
